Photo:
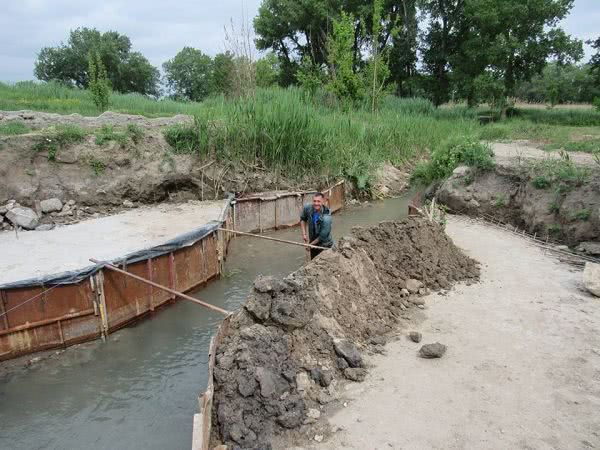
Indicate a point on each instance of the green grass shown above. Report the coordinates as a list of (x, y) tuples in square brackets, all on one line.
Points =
[(591, 145), (13, 128), (132, 133), (54, 138), (571, 117)]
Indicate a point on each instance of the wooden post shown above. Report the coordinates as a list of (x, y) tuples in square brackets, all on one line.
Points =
[(150, 288), (102, 304), (3, 309)]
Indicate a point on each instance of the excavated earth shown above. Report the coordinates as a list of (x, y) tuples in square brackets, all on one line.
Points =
[(563, 211), (289, 350), (101, 177)]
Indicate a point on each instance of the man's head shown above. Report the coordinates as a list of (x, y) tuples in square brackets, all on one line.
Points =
[(318, 201)]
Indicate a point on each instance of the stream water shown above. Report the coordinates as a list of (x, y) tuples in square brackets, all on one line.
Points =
[(139, 389)]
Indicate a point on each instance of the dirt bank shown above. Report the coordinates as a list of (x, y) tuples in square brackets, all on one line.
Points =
[(534, 190), (521, 371), (289, 349), (138, 166)]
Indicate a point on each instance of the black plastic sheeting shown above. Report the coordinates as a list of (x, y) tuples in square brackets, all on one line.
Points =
[(74, 277)]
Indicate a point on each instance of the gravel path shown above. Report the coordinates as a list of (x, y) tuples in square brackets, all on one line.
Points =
[(522, 368), (508, 152)]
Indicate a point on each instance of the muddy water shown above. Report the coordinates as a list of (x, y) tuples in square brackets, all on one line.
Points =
[(139, 389)]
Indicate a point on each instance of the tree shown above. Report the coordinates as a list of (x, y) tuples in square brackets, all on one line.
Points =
[(595, 60), (403, 52), (267, 70), (222, 72), (127, 71), (345, 83), (99, 86), (189, 74), (513, 40)]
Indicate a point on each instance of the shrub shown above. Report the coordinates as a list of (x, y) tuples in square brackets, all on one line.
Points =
[(541, 182), (451, 154), (582, 214), (13, 128)]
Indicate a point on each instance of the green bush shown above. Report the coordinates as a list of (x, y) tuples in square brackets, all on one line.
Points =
[(13, 128), (541, 182), (453, 153)]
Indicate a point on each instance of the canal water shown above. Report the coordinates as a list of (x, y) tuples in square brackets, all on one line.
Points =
[(139, 389)]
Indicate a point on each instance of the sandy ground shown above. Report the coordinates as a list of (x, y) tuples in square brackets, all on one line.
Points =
[(522, 368), (38, 253), (513, 151)]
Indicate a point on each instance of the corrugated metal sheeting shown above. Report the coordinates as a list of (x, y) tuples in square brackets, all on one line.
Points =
[(39, 317)]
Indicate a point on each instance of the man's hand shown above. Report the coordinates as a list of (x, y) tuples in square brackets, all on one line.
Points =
[(305, 237)]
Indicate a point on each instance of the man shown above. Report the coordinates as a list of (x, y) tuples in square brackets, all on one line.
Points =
[(316, 219)]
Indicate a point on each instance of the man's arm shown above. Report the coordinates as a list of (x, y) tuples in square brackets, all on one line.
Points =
[(304, 234), (303, 224)]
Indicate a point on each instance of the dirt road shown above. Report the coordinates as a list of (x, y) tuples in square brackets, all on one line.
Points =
[(522, 368), (513, 152)]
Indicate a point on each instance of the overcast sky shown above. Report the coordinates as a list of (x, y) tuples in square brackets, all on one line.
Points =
[(157, 28)]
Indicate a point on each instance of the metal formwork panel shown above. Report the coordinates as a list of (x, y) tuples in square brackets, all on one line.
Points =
[(247, 216), (288, 210)]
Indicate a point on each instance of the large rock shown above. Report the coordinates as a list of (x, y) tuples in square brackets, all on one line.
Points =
[(413, 285), (23, 217), (51, 205), (591, 278), (429, 351), (589, 248), (348, 351)]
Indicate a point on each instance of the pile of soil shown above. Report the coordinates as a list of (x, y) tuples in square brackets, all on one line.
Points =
[(287, 351)]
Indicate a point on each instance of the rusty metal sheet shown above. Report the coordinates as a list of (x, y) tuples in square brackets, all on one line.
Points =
[(288, 211), (247, 216)]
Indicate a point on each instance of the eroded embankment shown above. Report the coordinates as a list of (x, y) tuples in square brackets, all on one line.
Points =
[(549, 198), (296, 339)]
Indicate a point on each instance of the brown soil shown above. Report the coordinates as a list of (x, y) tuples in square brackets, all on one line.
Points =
[(563, 212), (143, 172), (289, 349)]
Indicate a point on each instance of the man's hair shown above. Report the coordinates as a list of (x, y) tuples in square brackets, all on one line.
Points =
[(319, 194)]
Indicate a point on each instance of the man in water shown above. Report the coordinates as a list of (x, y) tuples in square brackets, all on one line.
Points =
[(317, 219)]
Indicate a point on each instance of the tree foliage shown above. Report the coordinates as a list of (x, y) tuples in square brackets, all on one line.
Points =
[(68, 63), (99, 86), (189, 74)]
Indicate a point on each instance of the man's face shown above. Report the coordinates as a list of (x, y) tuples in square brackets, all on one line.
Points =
[(317, 202)]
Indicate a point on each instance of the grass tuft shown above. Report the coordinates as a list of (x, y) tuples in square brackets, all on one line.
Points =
[(13, 128)]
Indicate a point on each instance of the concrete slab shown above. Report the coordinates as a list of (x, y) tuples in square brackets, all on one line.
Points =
[(32, 254)]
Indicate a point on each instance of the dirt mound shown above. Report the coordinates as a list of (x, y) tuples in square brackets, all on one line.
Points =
[(288, 349)]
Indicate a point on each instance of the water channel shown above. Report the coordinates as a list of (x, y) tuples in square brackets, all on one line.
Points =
[(139, 389)]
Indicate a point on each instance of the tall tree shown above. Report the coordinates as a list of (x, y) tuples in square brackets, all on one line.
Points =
[(127, 71), (595, 60), (222, 72), (403, 52), (189, 74)]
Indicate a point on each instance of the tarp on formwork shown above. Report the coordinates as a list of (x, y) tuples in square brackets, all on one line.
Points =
[(75, 276)]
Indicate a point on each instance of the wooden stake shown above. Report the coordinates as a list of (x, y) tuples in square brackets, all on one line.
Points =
[(284, 241), (164, 288)]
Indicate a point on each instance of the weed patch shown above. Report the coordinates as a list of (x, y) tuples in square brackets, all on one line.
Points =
[(53, 139), (450, 155), (582, 214), (183, 138), (13, 128), (132, 133)]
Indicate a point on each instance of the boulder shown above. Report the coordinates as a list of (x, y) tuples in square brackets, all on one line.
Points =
[(128, 204), (429, 351), (348, 351), (413, 285), (23, 217), (589, 248), (355, 374), (51, 205), (591, 278), (461, 171)]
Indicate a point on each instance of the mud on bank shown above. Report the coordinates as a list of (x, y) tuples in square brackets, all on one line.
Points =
[(289, 349)]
